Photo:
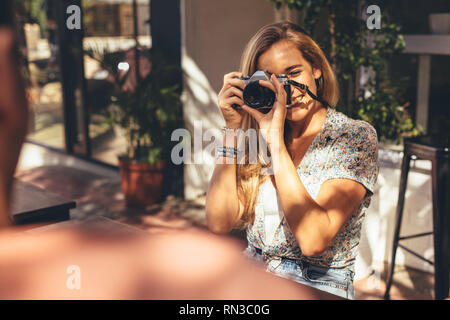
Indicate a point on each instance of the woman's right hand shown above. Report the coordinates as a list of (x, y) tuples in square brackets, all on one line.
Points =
[(231, 93)]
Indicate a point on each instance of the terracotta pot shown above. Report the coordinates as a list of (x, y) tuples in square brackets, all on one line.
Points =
[(141, 182)]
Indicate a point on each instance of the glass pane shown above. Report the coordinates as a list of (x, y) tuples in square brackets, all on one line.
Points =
[(109, 41), (41, 51)]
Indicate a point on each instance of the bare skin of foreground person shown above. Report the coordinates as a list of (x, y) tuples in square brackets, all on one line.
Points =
[(137, 267), (176, 265)]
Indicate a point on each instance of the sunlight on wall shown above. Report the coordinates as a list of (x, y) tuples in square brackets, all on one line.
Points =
[(199, 106)]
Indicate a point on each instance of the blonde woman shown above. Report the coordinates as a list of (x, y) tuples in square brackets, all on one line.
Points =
[(303, 222)]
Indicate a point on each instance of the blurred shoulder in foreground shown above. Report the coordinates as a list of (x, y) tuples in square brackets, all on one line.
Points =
[(176, 265)]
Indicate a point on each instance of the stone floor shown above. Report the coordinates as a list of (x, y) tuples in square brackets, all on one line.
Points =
[(97, 195)]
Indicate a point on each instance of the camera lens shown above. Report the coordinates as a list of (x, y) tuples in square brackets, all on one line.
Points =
[(257, 96)]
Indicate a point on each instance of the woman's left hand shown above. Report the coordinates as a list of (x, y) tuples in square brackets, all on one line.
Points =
[(271, 124)]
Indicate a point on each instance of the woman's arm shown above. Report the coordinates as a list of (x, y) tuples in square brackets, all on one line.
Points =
[(314, 223), (353, 172), (223, 208)]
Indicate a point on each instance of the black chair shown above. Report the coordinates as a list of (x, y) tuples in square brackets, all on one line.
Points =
[(436, 149)]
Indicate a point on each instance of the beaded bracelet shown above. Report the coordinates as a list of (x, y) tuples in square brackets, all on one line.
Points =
[(225, 130), (229, 152)]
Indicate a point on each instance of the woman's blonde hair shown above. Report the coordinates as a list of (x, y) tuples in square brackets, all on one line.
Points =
[(249, 176)]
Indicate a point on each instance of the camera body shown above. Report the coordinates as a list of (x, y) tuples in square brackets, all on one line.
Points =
[(259, 97)]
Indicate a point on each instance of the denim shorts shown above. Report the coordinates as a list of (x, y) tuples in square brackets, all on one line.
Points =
[(336, 281)]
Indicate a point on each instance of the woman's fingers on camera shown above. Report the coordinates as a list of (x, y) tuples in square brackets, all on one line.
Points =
[(233, 91), (231, 94), (253, 112), (232, 75), (234, 82), (280, 86), (276, 86), (268, 84), (230, 81), (234, 100)]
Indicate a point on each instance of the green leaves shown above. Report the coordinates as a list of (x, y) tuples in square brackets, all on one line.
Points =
[(155, 154), (384, 111), (355, 46), (148, 114)]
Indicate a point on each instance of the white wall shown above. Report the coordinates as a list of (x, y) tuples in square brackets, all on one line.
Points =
[(378, 229), (214, 34)]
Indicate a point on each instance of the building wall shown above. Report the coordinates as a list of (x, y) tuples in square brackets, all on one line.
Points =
[(214, 34)]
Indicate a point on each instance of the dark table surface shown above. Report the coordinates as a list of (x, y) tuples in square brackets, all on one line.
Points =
[(31, 204)]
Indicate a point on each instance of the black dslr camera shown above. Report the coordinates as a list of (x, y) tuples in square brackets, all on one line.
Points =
[(259, 97)]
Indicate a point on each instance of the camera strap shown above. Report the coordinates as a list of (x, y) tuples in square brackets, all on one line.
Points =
[(304, 87)]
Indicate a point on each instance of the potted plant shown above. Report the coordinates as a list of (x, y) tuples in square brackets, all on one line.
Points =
[(147, 108)]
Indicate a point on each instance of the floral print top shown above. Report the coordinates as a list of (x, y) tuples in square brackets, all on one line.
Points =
[(346, 149)]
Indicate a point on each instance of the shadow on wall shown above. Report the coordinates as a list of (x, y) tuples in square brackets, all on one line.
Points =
[(200, 107), (417, 218), (365, 261)]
